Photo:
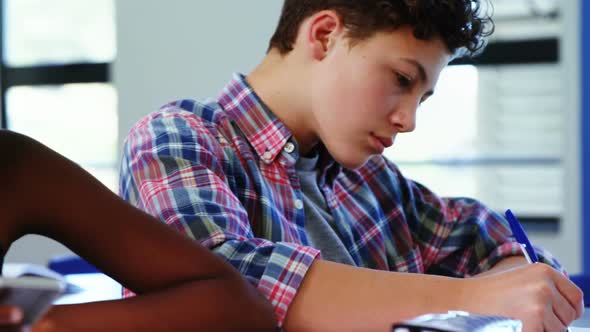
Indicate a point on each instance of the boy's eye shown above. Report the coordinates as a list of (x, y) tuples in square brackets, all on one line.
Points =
[(403, 80)]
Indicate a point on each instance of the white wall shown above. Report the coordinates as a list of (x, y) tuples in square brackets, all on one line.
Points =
[(35, 249), (185, 49)]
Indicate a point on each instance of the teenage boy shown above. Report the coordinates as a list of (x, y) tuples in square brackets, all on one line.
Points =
[(182, 286), (282, 175)]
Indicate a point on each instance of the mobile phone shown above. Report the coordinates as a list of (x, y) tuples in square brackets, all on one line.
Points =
[(33, 295)]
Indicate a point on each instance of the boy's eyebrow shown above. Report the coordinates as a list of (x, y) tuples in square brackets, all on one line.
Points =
[(418, 65)]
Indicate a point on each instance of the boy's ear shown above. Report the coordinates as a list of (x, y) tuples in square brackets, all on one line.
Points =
[(323, 30)]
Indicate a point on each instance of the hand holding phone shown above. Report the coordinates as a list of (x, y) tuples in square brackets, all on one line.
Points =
[(31, 295)]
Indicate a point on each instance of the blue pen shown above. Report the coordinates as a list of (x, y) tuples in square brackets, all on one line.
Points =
[(521, 238)]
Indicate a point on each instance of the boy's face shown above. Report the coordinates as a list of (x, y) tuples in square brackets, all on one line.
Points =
[(363, 96)]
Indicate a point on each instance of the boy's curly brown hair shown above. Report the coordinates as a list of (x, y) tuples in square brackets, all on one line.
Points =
[(459, 23)]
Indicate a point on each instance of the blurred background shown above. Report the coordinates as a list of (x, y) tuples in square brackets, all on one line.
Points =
[(506, 128)]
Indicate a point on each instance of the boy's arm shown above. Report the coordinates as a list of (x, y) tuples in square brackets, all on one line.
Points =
[(174, 168), (461, 238), (504, 265), (182, 285), (337, 297)]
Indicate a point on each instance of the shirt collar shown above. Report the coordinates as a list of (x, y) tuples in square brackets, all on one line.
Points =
[(264, 131)]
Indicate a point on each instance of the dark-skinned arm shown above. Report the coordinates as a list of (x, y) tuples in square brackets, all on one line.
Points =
[(180, 284)]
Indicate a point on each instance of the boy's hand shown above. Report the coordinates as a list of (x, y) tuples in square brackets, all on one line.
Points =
[(544, 299)]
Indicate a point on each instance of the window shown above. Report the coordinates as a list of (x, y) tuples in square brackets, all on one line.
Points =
[(437, 162), (501, 118), (78, 120), (54, 69), (55, 79), (502, 130)]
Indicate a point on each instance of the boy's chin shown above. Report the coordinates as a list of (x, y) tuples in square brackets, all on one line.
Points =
[(352, 161)]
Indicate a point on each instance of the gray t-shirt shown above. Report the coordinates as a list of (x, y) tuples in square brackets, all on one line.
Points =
[(318, 219)]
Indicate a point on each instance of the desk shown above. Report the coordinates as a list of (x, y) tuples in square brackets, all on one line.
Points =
[(97, 287)]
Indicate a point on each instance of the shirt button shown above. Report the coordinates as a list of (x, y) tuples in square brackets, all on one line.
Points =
[(267, 156), (298, 204), (289, 147)]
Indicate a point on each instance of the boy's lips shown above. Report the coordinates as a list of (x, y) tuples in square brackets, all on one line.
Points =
[(386, 141), (381, 143)]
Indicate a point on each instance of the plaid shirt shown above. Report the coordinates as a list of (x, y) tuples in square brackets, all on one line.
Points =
[(223, 172)]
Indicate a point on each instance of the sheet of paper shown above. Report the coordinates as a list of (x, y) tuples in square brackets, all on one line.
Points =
[(96, 286)]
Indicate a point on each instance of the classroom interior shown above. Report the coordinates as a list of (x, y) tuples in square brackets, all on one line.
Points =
[(508, 128)]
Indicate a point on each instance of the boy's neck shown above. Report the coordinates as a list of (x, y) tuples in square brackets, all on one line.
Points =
[(282, 84)]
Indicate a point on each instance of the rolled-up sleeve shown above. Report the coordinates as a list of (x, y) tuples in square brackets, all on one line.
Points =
[(172, 168)]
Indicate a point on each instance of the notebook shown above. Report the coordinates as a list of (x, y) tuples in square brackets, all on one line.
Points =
[(458, 321)]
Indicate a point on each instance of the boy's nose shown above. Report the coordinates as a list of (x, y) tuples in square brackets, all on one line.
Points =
[(404, 117)]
